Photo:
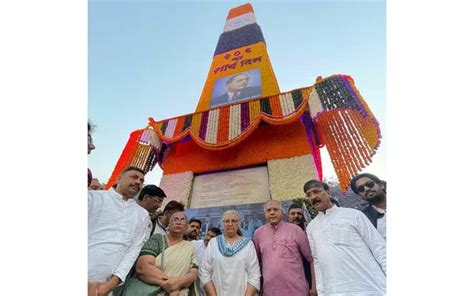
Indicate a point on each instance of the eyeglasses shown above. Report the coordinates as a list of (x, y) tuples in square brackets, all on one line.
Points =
[(230, 221), (179, 221), (368, 184)]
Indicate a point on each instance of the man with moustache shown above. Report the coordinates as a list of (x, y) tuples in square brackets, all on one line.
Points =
[(373, 190), (201, 246), (117, 229), (348, 252), (193, 229), (295, 216), (280, 246)]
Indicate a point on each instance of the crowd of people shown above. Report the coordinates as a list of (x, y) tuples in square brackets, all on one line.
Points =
[(135, 249)]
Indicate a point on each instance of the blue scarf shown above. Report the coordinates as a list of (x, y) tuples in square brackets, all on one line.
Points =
[(227, 250)]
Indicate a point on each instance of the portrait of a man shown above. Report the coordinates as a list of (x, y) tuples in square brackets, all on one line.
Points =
[(238, 87)]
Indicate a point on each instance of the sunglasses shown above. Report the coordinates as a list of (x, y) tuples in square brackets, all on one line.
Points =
[(368, 184)]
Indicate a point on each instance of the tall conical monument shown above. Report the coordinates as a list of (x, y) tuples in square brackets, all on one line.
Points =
[(241, 50), (247, 141)]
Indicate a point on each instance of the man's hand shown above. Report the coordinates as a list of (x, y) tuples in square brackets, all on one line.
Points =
[(313, 292), (92, 289), (104, 288)]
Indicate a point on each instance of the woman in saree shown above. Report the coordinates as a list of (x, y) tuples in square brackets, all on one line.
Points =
[(230, 266), (166, 265)]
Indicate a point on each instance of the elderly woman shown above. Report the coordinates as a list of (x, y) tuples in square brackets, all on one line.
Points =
[(230, 265), (167, 264)]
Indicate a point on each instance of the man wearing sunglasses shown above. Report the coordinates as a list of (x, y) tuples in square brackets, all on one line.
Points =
[(373, 190)]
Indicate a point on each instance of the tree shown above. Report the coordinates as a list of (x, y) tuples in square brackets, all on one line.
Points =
[(303, 200), (345, 200)]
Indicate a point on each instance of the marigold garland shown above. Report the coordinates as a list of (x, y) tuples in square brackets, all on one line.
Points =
[(236, 119), (342, 121), (364, 157), (142, 151), (313, 143), (224, 124), (265, 143), (125, 158), (195, 125)]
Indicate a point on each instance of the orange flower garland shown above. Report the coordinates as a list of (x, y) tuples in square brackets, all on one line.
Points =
[(342, 119)]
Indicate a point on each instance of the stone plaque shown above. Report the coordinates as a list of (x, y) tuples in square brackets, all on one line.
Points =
[(235, 187)]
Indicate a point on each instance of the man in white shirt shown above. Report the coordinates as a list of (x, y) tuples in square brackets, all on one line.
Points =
[(118, 228), (373, 190), (201, 246), (349, 254)]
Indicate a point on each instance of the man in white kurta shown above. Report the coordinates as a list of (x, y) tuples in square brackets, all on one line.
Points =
[(117, 229), (201, 246), (230, 274), (349, 253)]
